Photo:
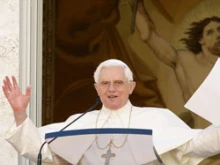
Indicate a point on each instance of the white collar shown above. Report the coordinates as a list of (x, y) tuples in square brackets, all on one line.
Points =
[(123, 113)]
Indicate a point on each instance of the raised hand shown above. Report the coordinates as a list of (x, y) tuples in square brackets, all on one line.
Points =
[(16, 99), (143, 23)]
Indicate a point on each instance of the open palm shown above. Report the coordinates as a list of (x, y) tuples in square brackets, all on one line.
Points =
[(17, 100)]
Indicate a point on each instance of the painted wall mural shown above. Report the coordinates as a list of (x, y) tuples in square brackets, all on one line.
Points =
[(173, 48), (85, 37), (187, 48)]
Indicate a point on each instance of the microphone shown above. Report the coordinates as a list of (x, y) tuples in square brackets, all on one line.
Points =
[(39, 158)]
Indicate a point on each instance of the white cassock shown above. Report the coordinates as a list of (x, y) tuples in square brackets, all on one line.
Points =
[(175, 142)]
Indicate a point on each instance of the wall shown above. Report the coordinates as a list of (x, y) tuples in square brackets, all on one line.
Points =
[(9, 65)]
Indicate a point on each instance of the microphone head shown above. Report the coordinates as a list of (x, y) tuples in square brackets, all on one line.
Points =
[(98, 100)]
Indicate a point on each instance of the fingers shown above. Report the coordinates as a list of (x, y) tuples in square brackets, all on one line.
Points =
[(28, 91), (5, 91), (131, 3), (15, 84), (7, 83), (139, 3), (9, 86), (6, 86)]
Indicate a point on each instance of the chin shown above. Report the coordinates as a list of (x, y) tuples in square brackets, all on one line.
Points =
[(114, 104), (113, 107)]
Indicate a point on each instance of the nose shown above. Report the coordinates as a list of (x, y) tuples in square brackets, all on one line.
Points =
[(111, 87), (218, 33)]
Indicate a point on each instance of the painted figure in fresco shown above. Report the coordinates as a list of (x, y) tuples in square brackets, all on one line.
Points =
[(190, 66)]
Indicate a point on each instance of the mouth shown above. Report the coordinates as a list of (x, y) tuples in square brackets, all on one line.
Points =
[(217, 43), (112, 96)]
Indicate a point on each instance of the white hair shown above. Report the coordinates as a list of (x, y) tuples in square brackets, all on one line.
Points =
[(113, 63)]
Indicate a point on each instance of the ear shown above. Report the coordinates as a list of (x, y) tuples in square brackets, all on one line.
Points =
[(201, 41), (132, 86), (95, 85), (96, 88)]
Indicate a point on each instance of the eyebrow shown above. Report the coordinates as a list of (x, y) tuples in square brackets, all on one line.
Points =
[(209, 31)]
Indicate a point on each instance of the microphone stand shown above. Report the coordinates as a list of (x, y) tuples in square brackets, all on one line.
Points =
[(39, 158)]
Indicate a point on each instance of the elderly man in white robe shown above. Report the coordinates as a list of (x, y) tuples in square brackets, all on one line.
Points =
[(175, 142)]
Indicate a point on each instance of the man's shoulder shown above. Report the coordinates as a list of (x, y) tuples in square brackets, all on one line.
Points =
[(152, 117), (151, 111), (185, 54), (158, 113), (187, 58), (84, 115), (83, 118)]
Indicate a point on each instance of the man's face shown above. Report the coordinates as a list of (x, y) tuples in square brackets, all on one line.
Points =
[(113, 87), (211, 38)]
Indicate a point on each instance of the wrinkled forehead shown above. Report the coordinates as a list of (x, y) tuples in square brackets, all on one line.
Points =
[(212, 25), (112, 73)]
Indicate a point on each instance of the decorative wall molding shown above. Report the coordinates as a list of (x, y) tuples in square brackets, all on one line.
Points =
[(48, 61), (30, 70)]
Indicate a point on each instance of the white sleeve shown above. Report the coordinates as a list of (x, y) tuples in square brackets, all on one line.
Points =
[(27, 141), (205, 144)]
